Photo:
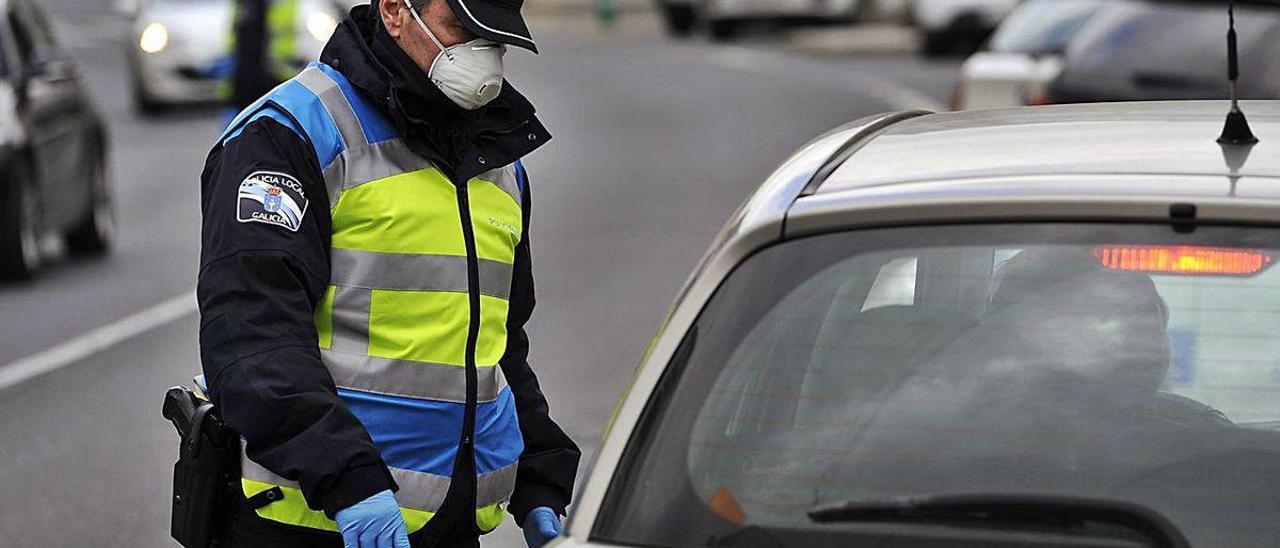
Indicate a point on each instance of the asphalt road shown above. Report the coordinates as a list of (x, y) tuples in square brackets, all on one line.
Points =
[(656, 143)]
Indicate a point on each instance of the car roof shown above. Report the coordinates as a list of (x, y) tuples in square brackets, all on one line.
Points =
[(1156, 138)]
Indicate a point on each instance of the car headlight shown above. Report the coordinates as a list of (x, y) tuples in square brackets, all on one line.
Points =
[(154, 38), (321, 25)]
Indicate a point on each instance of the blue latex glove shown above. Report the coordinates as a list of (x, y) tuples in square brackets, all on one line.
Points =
[(375, 522), (540, 526)]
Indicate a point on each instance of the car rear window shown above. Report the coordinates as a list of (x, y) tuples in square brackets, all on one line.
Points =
[(1118, 362)]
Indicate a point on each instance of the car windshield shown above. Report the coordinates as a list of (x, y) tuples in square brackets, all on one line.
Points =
[(1128, 363), (1043, 26)]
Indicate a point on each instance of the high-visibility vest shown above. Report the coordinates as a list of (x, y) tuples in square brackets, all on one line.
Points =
[(283, 26), (394, 323)]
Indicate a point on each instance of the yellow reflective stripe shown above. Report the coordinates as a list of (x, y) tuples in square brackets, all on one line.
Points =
[(414, 212), (492, 341), (423, 493), (490, 517), (495, 217), (292, 509), (424, 326), (430, 326), (324, 318)]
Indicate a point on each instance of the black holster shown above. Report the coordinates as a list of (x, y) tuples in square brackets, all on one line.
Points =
[(206, 472)]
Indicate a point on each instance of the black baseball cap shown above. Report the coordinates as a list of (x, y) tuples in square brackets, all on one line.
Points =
[(497, 20)]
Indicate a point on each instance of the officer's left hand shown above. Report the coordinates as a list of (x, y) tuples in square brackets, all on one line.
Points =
[(540, 526)]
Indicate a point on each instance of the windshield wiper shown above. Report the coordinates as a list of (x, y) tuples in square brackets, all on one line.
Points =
[(1050, 512)]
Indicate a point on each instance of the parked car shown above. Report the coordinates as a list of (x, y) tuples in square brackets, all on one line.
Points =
[(957, 26), (1146, 51), (175, 45), (724, 18), (1025, 54), (1047, 326), (53, 176)]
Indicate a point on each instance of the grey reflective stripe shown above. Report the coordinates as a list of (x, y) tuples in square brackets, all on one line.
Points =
[(336, 104), (350, 332), (411, 379), (407, 272), (505, 179), (496, 486), (359, 165), (418, 490)]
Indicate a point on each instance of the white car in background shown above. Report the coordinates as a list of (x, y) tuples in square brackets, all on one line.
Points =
[(1024, 55), (949, 26), (173, 46), (723, 18)]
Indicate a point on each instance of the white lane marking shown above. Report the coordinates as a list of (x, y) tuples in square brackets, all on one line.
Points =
[(97, 340), (893, 93)]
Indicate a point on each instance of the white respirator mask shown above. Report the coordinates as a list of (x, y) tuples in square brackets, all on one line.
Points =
[(469, 74)]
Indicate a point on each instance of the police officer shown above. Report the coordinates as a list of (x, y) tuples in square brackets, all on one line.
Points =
[(364, 287), (260, 50)]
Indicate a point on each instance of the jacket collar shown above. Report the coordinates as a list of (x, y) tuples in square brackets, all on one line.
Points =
[(461, 143)]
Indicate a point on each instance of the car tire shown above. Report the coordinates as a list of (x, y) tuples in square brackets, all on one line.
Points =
[(724, 30), (93, 234), (680, 18), (19, 227)]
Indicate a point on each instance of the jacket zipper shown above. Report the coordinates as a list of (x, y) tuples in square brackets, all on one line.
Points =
[(467, 449)]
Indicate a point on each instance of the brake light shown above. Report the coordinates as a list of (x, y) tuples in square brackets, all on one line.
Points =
[(724, 505), (1184, 260)]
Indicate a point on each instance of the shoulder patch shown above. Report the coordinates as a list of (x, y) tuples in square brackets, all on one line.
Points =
[(271, 198)]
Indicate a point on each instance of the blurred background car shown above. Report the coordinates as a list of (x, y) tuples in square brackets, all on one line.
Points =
[(956, 26), (724, 18), (53, 178), (1024, 55), (176, 46), (1141, 51)]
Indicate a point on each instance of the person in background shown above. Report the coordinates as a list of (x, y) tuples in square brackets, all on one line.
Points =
[(260, 52)]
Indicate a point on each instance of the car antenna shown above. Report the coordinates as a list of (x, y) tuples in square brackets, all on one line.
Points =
[(1236, 131)]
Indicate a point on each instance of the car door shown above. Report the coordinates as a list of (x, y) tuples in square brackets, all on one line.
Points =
[(49, 102)]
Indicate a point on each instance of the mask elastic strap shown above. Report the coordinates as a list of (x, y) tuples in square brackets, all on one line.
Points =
[(427, 30)]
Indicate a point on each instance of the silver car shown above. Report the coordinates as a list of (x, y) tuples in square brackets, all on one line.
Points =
[(1022, 327), (174, 46)]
